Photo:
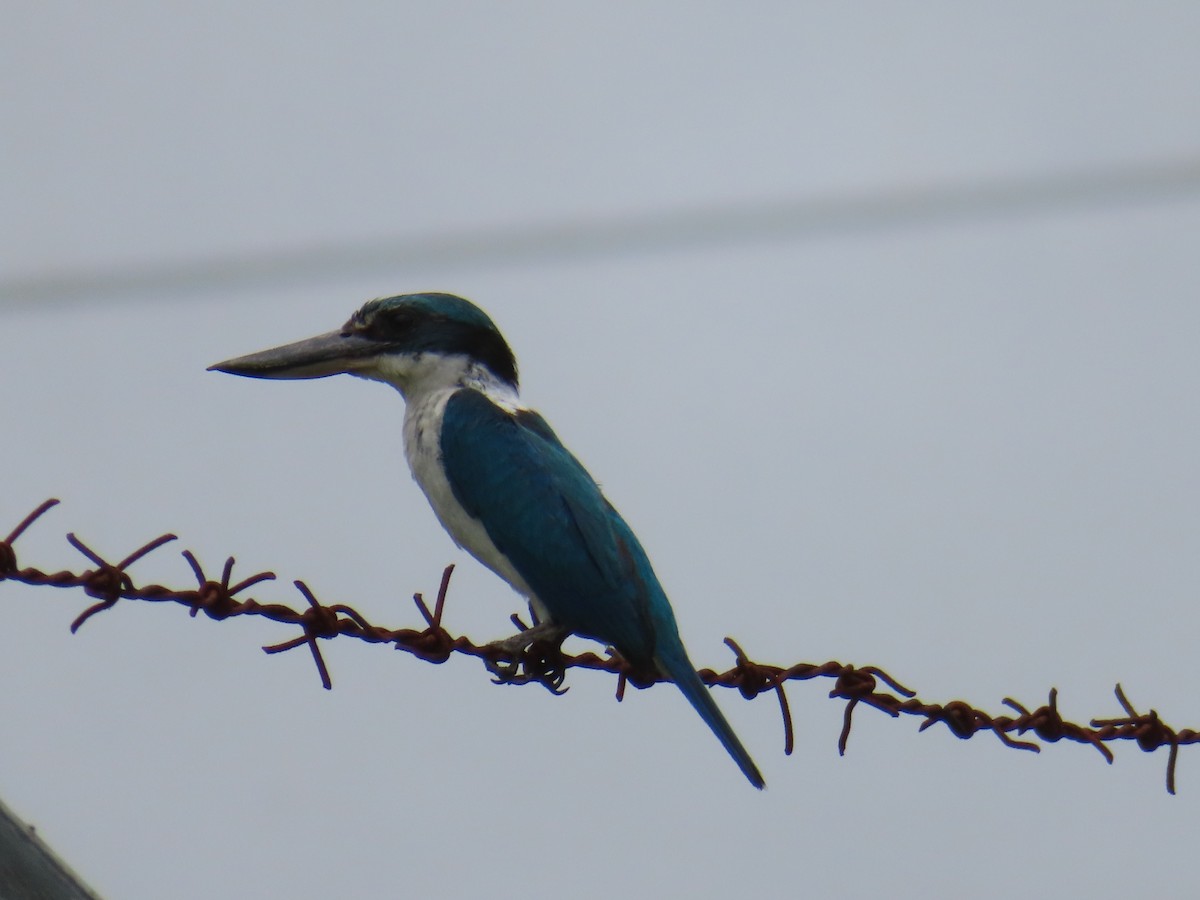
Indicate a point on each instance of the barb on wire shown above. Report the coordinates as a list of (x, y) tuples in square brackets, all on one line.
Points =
[(544, 662)]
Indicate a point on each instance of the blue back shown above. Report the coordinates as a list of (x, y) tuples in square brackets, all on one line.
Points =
[(545, 513)]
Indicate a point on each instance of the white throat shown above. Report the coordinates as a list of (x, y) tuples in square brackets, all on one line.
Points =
[(428, 381), (420, 376)]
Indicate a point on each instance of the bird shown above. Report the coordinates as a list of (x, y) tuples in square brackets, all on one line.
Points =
[(503, 485)]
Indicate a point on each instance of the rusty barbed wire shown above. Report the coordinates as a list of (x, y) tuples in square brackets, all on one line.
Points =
[(545, 663)]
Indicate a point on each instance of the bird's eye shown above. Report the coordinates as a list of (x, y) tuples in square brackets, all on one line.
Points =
[(390, 324)]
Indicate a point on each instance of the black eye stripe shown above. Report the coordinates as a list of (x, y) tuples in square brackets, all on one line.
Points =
[(418, 329)]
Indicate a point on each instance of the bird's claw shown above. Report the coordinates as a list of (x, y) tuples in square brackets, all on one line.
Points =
[(503, 672), (532, 655)]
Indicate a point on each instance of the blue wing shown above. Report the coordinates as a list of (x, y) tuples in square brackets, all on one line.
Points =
[(543, 511)]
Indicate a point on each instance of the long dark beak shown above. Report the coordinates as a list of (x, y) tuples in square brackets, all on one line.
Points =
[(316, 357)]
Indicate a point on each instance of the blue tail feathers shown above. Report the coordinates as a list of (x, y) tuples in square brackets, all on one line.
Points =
[(674, 663)]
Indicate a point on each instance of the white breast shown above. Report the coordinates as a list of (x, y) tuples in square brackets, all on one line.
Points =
[(422, 446)]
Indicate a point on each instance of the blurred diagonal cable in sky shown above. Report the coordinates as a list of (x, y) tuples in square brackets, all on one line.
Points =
[(728, 224)]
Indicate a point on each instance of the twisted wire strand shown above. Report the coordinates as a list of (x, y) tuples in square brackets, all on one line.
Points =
[(545, 663)]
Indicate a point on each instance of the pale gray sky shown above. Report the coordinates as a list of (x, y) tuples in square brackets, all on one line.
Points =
[(962, 449)]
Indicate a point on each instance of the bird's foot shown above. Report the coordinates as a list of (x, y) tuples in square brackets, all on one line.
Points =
[(534, 654)]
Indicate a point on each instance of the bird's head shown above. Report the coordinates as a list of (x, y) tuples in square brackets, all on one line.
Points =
[(400, 340)]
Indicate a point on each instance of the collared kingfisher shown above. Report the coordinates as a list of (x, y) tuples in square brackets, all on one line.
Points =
[(501, 482)]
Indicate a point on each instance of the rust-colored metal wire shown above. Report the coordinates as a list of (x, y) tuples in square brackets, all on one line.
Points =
[(544, 663)]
